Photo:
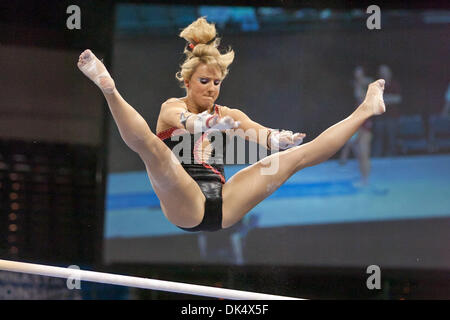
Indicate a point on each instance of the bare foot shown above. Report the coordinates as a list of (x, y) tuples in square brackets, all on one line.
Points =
[(374, 97), (94, 69)]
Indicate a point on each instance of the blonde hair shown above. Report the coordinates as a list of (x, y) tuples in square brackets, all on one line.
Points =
[(203, 36)]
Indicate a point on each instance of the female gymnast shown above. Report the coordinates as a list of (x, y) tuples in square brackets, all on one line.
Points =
[(196, 196)]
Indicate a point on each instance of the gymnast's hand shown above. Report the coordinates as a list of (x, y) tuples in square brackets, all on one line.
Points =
[(285, 139), (224, 123)]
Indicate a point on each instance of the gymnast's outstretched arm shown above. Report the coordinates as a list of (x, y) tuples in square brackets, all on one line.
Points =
[(269, 138)]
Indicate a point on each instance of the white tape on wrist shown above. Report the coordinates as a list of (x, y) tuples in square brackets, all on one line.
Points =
[(283, 139), (275, 139), (204, 120)]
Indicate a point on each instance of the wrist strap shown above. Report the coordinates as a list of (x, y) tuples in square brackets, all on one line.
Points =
[(183, 119), (207, 122), (267, 140)]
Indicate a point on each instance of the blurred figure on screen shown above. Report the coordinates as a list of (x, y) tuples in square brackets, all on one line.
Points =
[(393, 98), (360, 143), (232, 251), (446, 109)]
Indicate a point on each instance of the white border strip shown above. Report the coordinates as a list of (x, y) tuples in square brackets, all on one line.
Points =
[(136, 282)]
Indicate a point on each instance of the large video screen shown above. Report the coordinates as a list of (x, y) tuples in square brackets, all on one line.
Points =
[(383, 199)]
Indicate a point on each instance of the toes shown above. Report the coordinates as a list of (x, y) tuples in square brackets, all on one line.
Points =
[(381, 82), (86, 54), (80, 63)]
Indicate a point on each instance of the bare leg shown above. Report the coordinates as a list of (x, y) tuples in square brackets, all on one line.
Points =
[(132, 127), (181, 198), (332, 139), (249, 187)]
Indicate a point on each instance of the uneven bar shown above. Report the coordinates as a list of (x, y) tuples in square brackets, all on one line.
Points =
[(136, 282)]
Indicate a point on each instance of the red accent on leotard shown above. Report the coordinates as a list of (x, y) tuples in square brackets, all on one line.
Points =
[(166, 133), (169, 133)]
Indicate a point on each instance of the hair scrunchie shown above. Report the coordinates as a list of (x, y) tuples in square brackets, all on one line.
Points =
[(191, 45)]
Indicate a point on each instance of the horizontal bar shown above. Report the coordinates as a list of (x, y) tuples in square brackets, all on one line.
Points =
[(136, 282)]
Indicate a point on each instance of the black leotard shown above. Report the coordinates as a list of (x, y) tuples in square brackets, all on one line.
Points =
[(206, 169)]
